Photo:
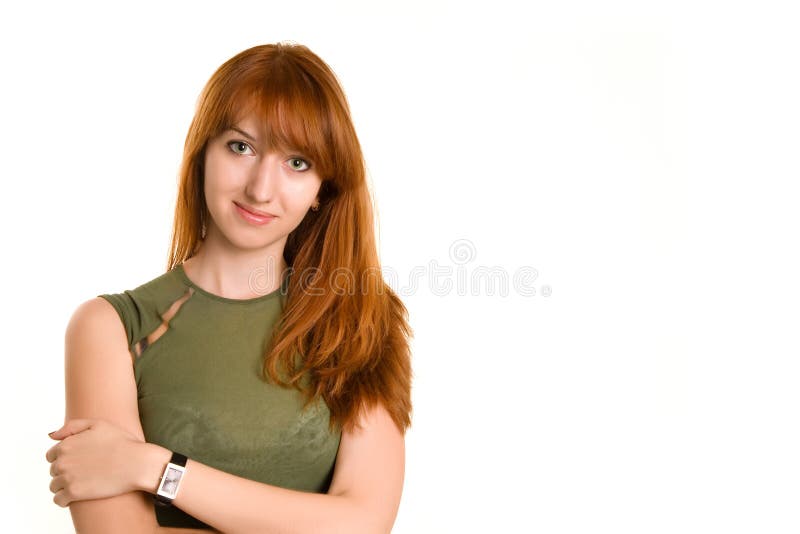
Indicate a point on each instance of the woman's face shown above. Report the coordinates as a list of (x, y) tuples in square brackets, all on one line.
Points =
[(242, 172)]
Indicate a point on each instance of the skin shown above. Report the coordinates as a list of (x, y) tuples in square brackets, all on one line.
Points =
[(103, 469), (239, 168)]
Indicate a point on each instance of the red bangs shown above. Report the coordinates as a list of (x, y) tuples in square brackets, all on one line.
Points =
[(294, 118)]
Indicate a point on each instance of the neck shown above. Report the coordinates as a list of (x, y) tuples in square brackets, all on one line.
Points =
[(237, 273)]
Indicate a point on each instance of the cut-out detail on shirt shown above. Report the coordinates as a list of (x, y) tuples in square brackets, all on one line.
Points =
[(166, 317)]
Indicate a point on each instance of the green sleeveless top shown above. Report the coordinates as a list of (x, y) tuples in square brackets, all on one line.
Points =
[(201, 391)]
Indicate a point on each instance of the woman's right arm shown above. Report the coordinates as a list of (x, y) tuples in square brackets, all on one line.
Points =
[(100, 384)]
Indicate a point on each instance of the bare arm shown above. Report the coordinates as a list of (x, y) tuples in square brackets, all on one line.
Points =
[(363, 498), (100, 385)]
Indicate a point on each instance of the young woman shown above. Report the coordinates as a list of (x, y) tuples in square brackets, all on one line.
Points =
[(262, 383)]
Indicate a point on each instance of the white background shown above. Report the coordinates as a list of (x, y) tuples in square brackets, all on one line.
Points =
[(640, 156)]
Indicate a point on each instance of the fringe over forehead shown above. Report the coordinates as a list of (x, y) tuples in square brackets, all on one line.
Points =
[(298, 103)]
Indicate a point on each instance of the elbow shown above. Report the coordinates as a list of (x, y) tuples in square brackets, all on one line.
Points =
[(362, 519), (368, 522)]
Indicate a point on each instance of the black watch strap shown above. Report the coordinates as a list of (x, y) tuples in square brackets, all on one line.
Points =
[(177, 459)]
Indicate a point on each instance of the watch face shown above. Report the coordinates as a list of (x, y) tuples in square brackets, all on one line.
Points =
[(170, 483)]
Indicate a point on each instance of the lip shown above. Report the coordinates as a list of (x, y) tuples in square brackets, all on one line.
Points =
[(251, 217), (253, 210)]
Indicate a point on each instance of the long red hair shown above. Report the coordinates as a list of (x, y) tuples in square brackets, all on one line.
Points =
[(344, 333)]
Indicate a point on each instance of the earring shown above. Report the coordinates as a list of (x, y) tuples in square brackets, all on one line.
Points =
[(315, 206)]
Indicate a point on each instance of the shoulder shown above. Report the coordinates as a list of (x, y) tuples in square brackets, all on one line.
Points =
[(169, 281), (98, 371), (139, 310), (159, 288), (96, 312), (94, 327), (99, 375)]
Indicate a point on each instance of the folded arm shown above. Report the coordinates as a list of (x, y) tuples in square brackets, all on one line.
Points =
[(363, 497)]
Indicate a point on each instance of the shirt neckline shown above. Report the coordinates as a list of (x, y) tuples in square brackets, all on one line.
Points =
[(269, 296)]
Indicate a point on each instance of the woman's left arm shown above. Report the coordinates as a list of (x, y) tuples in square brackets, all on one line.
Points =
[(363, 497)]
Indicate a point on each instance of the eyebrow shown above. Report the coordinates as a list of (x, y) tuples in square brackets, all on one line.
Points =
[(247, 135)]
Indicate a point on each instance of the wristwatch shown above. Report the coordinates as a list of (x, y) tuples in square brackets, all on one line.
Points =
[(170, 480)]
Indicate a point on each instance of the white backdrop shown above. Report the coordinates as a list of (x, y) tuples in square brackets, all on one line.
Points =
[(597, 200)]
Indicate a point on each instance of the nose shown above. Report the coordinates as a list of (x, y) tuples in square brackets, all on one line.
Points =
[(263, 179)]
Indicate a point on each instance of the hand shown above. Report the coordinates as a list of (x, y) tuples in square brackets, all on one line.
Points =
[(93, 460)]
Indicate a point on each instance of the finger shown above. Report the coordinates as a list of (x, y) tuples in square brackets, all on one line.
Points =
[(61, 498), (71, 427), (56, 434), (57, 484), (53, 470), (52, 453)]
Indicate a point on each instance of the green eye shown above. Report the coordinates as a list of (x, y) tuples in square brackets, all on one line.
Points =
[(238, 147), (299, 164)]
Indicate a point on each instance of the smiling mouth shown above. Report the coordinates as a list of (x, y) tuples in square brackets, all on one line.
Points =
[(253, 218), (257, 213)]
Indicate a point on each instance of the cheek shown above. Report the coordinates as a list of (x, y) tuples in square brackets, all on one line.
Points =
[(303, 192), (220, 181), (212, 194)]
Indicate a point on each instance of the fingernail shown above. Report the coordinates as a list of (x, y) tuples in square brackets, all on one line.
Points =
[(51, 433)]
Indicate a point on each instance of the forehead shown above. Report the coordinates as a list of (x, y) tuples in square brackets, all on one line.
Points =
[(285, 121), (251, 123)]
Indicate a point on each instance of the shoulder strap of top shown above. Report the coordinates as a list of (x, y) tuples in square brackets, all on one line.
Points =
[(145, 311)]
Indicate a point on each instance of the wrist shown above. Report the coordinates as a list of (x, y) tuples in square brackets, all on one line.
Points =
[(153, 459)]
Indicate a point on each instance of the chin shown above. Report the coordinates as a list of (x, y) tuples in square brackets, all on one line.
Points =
[(247, 242), (252, 238)]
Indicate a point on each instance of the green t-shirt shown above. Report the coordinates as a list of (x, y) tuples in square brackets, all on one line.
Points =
[(201, 392)]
